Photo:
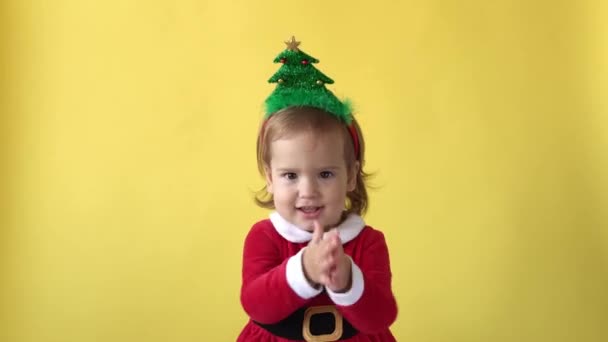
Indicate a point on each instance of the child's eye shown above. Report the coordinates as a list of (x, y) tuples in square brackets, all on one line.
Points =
[(326, 174), (290, 175)]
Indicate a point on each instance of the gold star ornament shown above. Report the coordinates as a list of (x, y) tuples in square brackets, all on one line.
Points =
[(293, 44)]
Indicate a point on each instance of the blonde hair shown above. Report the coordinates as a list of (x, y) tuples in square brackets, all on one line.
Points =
[(299, 119)]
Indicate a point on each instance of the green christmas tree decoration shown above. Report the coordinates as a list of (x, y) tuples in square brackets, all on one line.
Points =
[(299, 83)]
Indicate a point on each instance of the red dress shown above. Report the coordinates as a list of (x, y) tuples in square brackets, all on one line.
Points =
[(274, 285)]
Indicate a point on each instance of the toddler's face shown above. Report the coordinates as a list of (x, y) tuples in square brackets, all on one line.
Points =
[(308, 178)]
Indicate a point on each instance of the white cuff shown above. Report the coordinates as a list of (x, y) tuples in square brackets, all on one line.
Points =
[(296, 278), (356, 290)]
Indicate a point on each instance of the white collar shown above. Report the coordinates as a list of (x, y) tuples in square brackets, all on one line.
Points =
[(347, 230)]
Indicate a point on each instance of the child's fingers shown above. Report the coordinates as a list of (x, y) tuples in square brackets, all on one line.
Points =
[(330, 279), (334, 238), (327, 263), (336, 241), (333, 244), (328, 249), (317, 234), (324, 279), (331, 263)]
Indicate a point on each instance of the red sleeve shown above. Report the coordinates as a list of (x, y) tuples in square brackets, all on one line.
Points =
[(375, 309), (266, 295)]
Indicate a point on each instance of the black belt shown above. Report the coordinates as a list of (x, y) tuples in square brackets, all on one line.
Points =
[(312, 321)]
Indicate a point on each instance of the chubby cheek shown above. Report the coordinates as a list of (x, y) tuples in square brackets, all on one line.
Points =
[(337, 197), (284, 199)]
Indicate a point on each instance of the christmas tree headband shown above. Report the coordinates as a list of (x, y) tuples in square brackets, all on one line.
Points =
[(299, 83)]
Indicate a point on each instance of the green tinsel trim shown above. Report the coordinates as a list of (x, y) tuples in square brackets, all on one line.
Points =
[(322, 98)]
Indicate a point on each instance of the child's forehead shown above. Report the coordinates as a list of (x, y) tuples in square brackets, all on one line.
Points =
[(310, 145), (327, 132)]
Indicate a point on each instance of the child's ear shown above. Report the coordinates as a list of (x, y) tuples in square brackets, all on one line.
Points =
[(268, 176), (352, 177)]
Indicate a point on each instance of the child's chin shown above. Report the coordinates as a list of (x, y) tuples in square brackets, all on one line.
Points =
[(307, 226)]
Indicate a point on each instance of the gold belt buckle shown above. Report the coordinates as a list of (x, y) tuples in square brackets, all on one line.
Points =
[(314, 310)]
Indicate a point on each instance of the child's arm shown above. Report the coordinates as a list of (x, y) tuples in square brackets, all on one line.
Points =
[(272, 288), (369, 304)]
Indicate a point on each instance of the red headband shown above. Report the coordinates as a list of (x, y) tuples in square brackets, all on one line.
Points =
[(353, 134)]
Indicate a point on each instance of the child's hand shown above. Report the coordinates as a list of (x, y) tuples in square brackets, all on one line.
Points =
[(340, 277), (317, 258)]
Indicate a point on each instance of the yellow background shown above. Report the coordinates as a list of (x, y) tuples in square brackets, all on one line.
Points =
[(128, 161)]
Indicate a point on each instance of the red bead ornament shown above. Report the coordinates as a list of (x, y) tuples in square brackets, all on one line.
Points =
[(283, 60), (304, 61)]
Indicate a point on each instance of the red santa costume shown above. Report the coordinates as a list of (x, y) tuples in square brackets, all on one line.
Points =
[(281, 303)]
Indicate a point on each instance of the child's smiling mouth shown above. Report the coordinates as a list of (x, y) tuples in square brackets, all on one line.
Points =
[(310, 211)]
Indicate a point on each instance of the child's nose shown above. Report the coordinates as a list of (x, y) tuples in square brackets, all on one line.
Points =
[(308, 188)]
